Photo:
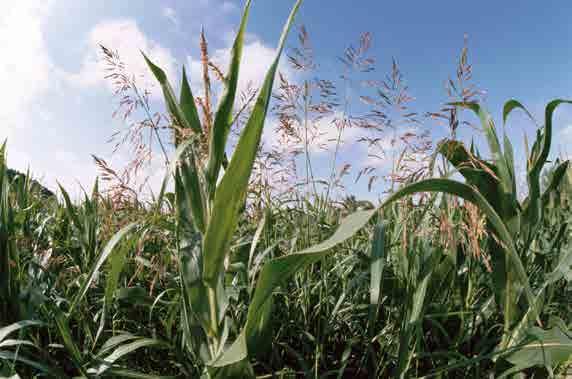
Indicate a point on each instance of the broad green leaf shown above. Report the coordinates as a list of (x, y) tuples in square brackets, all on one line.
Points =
[(5, 331), (255, 240), (230, 193), (511, 105), (115, 341), (11, 342), (476, 172), (532, 213), (189, 187), (419, 299), (170, 98), (188, 193), (509, 158), (223, 116), (3, 156), (546, 348), (547, 133), (188, 106), (122, 351)]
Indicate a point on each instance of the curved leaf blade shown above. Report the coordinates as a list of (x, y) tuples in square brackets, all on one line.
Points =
[(107, 250)]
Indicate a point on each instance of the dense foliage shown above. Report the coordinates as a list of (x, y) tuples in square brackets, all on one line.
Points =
[(446, 278)]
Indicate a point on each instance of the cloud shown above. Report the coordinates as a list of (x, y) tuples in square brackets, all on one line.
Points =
[(125, 37), (25, 67), (28, 76)]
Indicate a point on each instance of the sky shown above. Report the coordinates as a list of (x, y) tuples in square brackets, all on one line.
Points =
[(56, 106)]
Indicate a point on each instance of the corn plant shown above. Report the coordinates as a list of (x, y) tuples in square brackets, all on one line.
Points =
[(514, 225), (208, 211)]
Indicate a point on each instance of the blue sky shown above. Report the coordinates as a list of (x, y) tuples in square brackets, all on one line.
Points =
[(56, 107)]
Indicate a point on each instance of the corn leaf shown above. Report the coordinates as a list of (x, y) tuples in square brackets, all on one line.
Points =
[(230, 193), (123, 350), (5, 331), (188, 106), (170, 98), (547, 348), (223, 116), (493, 142)]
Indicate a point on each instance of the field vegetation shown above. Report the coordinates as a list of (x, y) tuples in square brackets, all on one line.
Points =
[(246, 263)]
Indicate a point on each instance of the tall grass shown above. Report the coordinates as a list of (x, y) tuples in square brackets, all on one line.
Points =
[(445, 278)]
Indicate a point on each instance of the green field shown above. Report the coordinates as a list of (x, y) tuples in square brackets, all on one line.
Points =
[(453, 274)]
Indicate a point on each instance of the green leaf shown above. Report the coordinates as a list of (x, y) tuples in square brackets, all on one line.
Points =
[(116, 264), (376, 273), (188, 106), (123, 350), (493, 142), (223, 116), (9, 356), (123, 373), (509, 158), (231, 192), (563, 269), (107, 250), (511, 105), (468, 193), (189, 188), (5, 331), (10, 343), (275, 272), (170, 99), (71, 211), (66, 336), (115, 341), (547, 348), (555, 180), (476, 171), (532, 213)]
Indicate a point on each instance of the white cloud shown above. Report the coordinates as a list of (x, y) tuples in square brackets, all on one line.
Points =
[(25, 67), (125, 37)]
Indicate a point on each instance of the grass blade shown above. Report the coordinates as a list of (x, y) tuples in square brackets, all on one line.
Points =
[(107, 250)]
